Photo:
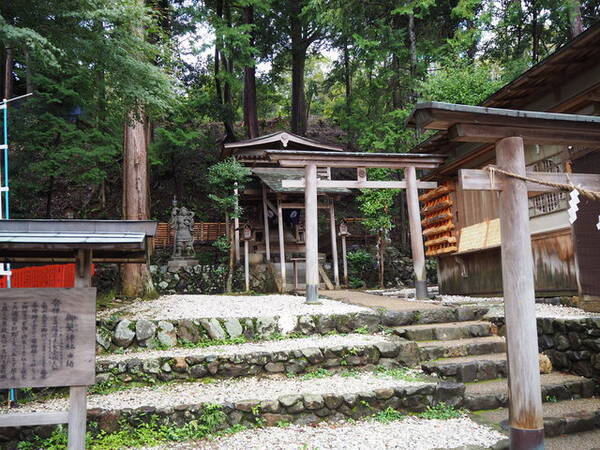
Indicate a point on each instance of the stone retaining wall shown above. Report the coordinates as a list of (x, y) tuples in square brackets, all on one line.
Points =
[(298, 409), (117, 333), (393, 353), (573, 345)]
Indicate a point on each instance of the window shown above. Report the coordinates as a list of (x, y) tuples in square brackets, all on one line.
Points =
[(550, 201)]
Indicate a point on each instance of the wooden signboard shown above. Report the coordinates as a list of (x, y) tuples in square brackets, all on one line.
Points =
[(48, 337)]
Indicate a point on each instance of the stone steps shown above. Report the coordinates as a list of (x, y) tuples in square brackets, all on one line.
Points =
[(430, 350), (565, 417), (556, 386), (251, 400), (445, 331), (469, 368), (287, 356)]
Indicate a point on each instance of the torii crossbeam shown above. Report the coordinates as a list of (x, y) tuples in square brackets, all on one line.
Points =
[(310, 160), (509, 130)]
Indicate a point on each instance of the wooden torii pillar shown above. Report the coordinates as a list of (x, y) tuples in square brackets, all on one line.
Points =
[(508, 130), (311, 160)]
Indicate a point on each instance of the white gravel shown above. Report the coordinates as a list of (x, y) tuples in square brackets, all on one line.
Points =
[(411, 433), (463, 300), (350, 340), (230, 390), (174, 307), (548, 311)]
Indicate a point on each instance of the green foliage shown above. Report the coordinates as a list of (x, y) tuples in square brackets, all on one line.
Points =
[(388, 415), (223, 178), (441, 411), (361, 265), (463, 82), (147, 433)]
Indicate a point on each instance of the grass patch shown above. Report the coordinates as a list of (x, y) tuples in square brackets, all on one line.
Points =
[(146, 433), (317, 373), (441, 411), (388, 415), (400, 373)]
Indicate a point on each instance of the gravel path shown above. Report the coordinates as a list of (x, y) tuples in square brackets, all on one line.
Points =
[(233, 390), (462, 300), (173, 307), (411, 434), (350, 340)]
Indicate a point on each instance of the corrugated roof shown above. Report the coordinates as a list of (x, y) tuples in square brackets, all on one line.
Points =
[(70, 238), (272, 177)]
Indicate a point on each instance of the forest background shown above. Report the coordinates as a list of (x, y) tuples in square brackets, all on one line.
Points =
[(177, 78)]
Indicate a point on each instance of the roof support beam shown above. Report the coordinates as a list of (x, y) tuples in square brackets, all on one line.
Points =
[(351, 184), (462, 132), (480, 180)]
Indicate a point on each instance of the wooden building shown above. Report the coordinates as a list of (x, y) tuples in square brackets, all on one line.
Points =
[(461, 228), (276, 213)]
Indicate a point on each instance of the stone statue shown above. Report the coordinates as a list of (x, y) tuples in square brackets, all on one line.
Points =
[(182, 220)]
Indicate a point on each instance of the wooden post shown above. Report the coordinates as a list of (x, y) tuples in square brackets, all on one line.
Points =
[(77, 417), (266, 223), (281, 244), (236, 228), (416, 233), (246, 265), (334, 253), (344, 260), (525, 401), (78, 394), (312, 237)]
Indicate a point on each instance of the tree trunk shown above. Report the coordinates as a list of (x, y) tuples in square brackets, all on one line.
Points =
[(299, 48), (8, 73), (412, 40), (348, 94), (250, 109), (28, 73), (136, 277), (535, 44), (575, 18), (231, 261)]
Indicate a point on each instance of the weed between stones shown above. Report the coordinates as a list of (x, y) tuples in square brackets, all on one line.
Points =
[(209, 425)]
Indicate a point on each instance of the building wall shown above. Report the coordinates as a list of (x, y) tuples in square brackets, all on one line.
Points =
[(480, 273)]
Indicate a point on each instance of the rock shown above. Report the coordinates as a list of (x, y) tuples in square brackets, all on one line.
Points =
[(307, 419), (387, 349), (247, 405), (272, 420), (332, 401), (166, 335), (306, 325), (269, 406), (108, 421), (313, 401), (233, 327), (545, 364), (151, 366), (103, 338), (163, 285), (275, 367), (398, 318), (314, 355), (103, 377), (198, 371), (213, 328), (449, 393), (166, 368), (266, 326), (189, 331), (123, 333), (144, 329), (289, 400)]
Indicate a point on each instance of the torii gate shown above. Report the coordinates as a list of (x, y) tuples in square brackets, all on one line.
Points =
[(310, 160), (509, 130)]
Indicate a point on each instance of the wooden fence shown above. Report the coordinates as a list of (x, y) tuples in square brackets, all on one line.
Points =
[(203, 232), (54, 276)]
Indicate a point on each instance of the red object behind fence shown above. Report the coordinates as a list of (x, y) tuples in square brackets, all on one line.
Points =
[(55, 276)]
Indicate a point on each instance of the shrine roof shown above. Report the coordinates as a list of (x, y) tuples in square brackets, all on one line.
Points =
[(58, 240), (274, 141), (272, 177)]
